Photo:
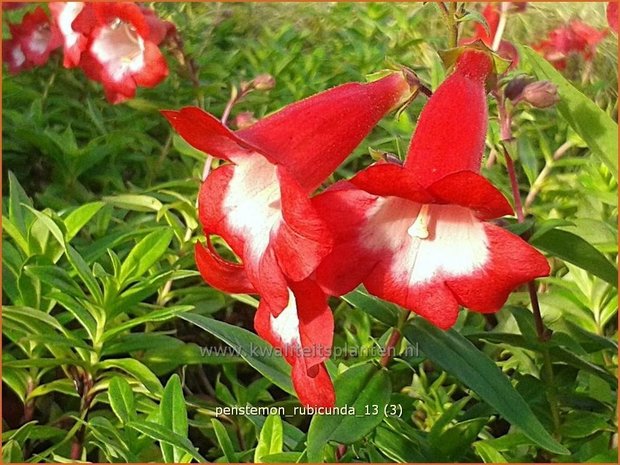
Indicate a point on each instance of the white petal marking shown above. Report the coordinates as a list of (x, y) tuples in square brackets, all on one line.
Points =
[(448, 240), (120, 49), (286, 324), (252, 203)]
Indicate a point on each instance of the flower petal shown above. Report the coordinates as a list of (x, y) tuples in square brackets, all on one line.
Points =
[(303, 332), (205, 132), (221, 274), (471, 190), (512, 262), (345, 209), (303, 239), (312, 137), (391, 179), (451, 130)]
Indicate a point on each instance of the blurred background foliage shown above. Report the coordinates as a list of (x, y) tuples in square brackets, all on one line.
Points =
[(99, 223)]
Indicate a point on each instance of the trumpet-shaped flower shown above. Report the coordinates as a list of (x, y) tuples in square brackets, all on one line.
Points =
[(122, 51), (259, 203), (74, 43), (416, 234), (31, 41)]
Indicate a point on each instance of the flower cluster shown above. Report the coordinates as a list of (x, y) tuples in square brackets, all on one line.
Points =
[(575, 38), (116, 44), (417, 234)]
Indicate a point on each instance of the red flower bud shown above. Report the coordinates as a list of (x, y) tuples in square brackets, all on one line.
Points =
[(540, 94), (264, 82)]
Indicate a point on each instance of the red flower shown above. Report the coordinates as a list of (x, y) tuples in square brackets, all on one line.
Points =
[(415, 234), (505, 49), (158, 28), (31, 41), (574, 38), (612, 15), (259, 203), (122, 50), (14, 5), (74, 43)]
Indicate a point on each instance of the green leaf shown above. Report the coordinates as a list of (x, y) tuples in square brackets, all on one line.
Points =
[(49, 223), (270, 440), (592, 124), (365, 388), (459, 357), (224, 441), (56, 277), (12, 453), (145, 254), (250, 347), (78, 218), (580, 424), (575, 250), (383, 311), (121, 399), (81, 268), (141, 203), (173, 414), (163, 434), (137, 370)]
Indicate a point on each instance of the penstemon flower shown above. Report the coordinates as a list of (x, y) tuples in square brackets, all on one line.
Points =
[(416, 234), (31, 41), (259, 203), (74, 43), (122, 50)]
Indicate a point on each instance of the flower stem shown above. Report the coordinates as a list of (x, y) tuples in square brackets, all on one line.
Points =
[(449, 12), (541, 330), (397, 333)]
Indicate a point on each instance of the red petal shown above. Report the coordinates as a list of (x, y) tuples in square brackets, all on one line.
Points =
[(345, 209), (512, 262), (302, 239), (471, 190), (452, 128), (612, 15), (204, 132), (312, 137), (305, 338), (221, 274), (387, 179), (313, 391), (155, 68)]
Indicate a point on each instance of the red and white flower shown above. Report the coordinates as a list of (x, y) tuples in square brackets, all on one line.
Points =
[(259, 203), (74, 43), (417, 234), (31, 41), (121, 52)]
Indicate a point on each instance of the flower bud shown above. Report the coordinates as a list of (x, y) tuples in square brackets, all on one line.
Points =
[(264, 82), (244, 119), (514, 88), (540, 94)]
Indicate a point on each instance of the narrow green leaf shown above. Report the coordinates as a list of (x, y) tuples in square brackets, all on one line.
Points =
[(224, 441), (49, 223), (592, 124), (137, 370), (85, 274), (270, 440), (250, 347), (55, 277), (383, 311), (575, 250), (173, 414), (141, 203), (163, 434), (145, 254), (365, 388), (121, 399), (455, 354), (78, 218)]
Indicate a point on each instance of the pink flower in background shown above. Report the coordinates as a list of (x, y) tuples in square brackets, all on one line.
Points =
[(574, 38), (31, 41), (122, 51), (74, 43), (612, 15), (418, 234)]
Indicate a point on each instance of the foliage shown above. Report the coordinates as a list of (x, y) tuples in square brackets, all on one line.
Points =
[(106, 321)]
